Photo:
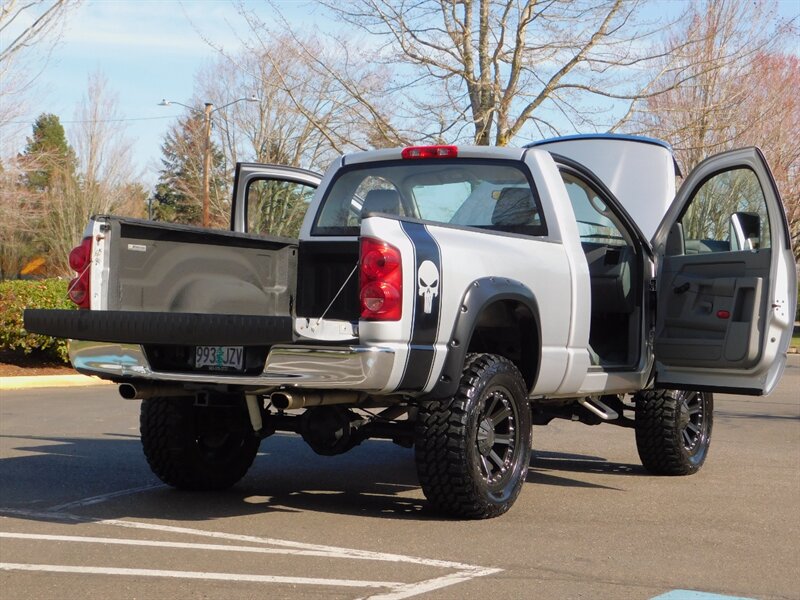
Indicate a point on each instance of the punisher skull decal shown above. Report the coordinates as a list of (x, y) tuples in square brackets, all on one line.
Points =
[(428, 280)]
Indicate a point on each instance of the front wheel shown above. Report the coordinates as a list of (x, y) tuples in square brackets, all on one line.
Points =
[(673, 430), (472, 450), (197, 447)]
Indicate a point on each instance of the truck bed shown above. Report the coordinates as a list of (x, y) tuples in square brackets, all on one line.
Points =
[(171, 268), (162, 283)]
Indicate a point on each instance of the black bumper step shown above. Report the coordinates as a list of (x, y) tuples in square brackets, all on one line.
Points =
[(185, 329)]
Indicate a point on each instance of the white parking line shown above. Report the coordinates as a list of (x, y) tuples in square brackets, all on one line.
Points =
[(199, 575), (158, 544), (415, 589), (104, 497), (394, 590)]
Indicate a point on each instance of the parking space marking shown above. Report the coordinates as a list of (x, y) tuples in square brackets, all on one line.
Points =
[(695, 595), (158, 544), (239, 577), (394, 590), (104, 497), (421, 587)]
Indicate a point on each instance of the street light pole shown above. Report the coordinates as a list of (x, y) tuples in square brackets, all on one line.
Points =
[(207, 161), (208, 110)]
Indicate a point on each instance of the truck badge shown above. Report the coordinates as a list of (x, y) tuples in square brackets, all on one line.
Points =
[(428, 279)]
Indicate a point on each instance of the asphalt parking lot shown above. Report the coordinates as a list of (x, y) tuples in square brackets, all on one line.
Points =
[(81, 516)]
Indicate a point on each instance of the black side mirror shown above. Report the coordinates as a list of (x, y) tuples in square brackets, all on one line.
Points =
[(676, 243)]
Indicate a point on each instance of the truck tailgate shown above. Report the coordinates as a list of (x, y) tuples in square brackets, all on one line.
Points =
[(129, 327)]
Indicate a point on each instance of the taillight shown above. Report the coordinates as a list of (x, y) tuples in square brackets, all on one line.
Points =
[(80, 260), (381, 281), (430, 152)]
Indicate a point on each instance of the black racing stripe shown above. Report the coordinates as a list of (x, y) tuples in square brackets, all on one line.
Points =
[(424, 326)]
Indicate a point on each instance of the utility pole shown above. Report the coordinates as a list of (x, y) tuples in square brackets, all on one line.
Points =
[(207, 112), (207, 162)]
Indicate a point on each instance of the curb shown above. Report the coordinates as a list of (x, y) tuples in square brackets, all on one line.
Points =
[(48, 381)]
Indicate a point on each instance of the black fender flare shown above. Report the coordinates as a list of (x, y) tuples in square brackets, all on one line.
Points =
[(480, 294)]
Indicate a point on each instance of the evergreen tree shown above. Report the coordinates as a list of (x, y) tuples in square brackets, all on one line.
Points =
[(178, 195), (47, 153)]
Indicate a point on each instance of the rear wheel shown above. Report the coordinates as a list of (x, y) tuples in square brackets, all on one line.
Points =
[(472, 450), (197, 447), (673, 430)]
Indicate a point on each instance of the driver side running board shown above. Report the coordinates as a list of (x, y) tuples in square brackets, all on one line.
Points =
[(599, 408)]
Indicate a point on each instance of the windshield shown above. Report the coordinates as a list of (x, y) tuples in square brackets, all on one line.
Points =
[(493, 195)]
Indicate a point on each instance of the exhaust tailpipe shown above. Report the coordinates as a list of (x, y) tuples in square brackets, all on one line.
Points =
[(146, 391), (288, 401)]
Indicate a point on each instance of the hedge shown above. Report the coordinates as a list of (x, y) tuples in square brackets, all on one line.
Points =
[(15, 296)]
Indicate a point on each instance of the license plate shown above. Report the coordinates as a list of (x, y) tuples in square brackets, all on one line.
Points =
[(219, 357)]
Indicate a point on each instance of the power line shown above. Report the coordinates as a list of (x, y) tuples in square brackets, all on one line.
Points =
[(99, 120)]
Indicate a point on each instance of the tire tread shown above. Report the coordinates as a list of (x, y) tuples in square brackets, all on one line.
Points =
[(169, 446)]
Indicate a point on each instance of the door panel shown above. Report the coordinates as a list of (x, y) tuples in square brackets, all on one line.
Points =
[(711, 317), (726, 279)]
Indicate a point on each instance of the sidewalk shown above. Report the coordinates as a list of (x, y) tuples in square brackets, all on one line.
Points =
[(48, 381)]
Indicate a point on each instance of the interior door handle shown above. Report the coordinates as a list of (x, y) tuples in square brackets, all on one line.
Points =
[(682, 288)]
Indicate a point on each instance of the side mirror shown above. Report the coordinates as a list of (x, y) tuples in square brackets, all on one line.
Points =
[(676, 243), (745, 231)]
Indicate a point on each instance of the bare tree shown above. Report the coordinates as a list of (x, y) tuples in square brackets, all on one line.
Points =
[(304, 114), (102, 183), (274, 129), (491, 70), (736, 88), (23, 27), (319, 95), (104, 153)]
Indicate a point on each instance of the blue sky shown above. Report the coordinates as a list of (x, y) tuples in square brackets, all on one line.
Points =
[(151, 50), (148, 50)]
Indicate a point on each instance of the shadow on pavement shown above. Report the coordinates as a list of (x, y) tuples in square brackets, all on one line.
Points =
[(544, 464), (376, 479)]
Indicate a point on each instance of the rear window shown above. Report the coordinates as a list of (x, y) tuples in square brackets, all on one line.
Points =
[(495, 195)]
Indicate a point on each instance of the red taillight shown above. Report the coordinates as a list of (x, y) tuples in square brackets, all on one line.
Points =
[(80, 255), (79, 292), (80, 260), (430, 152), (381, 279)]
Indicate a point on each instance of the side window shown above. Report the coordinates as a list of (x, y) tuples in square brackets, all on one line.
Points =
[(277, 207), (596, 223), (728, 213)]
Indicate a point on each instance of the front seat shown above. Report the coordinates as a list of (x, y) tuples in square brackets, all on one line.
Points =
[(515, 207), (381, 201)]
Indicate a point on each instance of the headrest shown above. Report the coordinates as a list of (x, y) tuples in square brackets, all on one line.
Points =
[(514, 207), (382, 201)]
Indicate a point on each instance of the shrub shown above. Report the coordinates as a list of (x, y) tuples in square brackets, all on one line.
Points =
[(15, 296)]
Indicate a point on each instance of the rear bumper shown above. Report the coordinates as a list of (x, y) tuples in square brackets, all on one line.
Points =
[(317, 367)]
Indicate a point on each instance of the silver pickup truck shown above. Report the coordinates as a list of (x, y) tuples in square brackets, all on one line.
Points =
[(447, 298)]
